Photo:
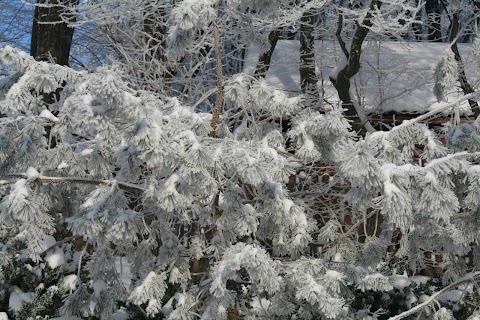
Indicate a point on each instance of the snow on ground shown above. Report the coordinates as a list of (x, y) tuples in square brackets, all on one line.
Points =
[(404, 69)]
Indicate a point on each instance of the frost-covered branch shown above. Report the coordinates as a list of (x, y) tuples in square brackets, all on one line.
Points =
[(219, 65), (431, 113), (45, 179), (470, 277)]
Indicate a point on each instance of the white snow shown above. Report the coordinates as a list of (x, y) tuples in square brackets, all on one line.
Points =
[(123, 269), (48, 115), (86, 152), (22, 235), (342, 62), (475, 316), (260, 305), (180, 298), (420, 279), (120, 314), (287, 206), (37, 270), (170, 183), (338, 257), (248, 210), (70, 282), (92, 305), (451, 295), (18, 298), (98, 287), (400, 281), (461, 132), (49, 241), (335, 275), (410, 299), (3, 316), (167, 307), (390, 188), (406, 70), (55, 259), (32, 174), (62, 165)]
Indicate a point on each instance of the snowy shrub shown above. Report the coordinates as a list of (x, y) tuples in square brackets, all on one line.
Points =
[(120, 202), (134, 194)]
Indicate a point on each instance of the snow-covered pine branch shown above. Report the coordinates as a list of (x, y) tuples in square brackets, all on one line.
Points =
[(117, 201)]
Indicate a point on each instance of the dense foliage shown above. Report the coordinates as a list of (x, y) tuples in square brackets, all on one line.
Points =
[(123, 199)]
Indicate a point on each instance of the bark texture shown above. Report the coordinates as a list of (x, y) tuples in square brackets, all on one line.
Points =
[(51, 36), (342, 81), (155, 28), (265, 57), (308, 76)]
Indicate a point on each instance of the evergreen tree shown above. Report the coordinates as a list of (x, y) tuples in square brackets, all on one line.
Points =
[(147, 207)]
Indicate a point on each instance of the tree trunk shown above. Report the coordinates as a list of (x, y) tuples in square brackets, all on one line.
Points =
[(52, 40), (264, 60), (342, 81), (308, 76), (462, 77), (156, 31), (51, 36), (155, 28), (434, 9)]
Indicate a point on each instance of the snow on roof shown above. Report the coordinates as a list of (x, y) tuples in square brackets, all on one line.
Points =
[(405, 70)]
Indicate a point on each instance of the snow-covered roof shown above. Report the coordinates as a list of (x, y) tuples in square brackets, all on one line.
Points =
[(405, 71)]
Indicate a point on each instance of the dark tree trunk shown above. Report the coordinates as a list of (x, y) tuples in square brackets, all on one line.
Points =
[(265, 57), (462, 78), (342, 81), (155, 28), (34, 37), (52, 38), (433, 9), (156, 31), (308, 76)]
